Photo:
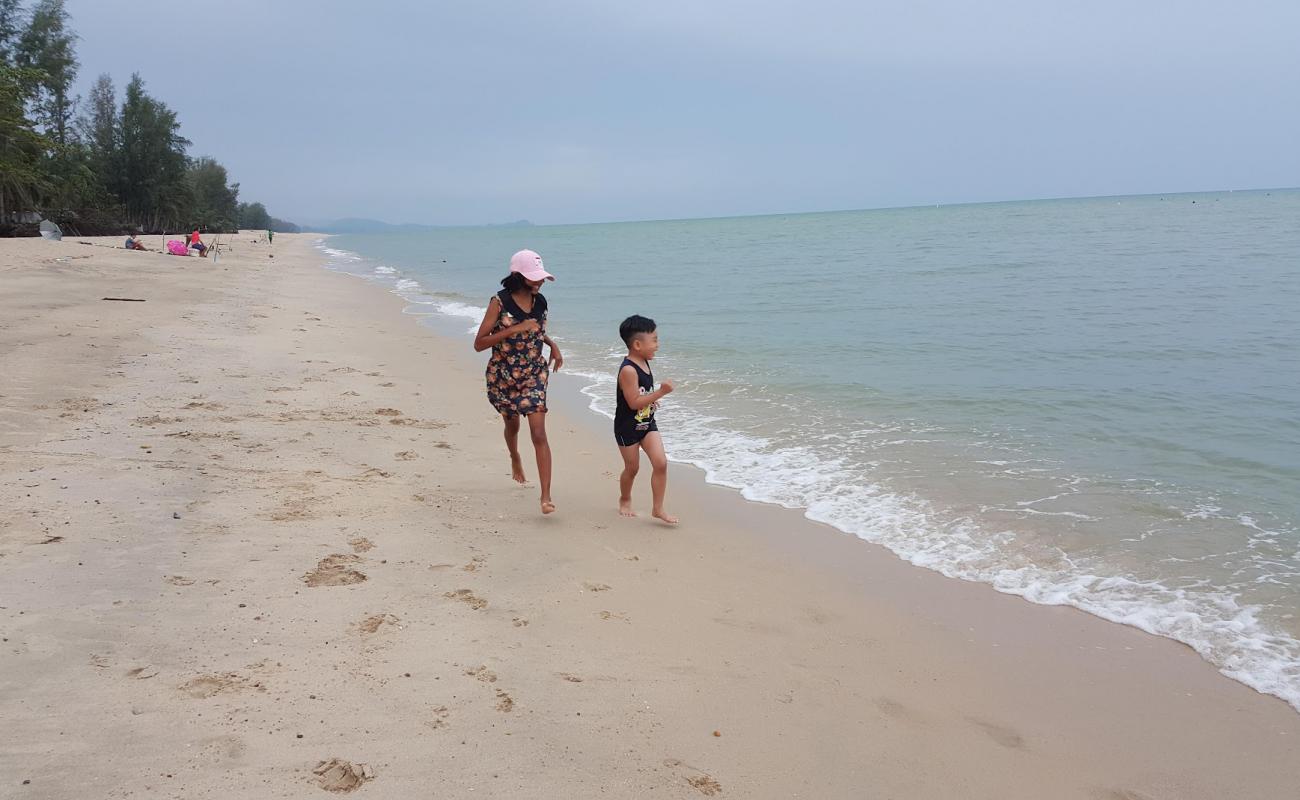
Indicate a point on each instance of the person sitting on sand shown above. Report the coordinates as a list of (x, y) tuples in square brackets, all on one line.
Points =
[(635, 401), (133, 243), (196, 243), (515, 328)]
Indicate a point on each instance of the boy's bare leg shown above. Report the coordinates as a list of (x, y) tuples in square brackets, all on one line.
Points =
[(512, 444), (631, 463), (542, 448), (653, 444)]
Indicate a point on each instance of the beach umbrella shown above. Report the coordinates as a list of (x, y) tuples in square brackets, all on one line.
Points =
[(51, 231)]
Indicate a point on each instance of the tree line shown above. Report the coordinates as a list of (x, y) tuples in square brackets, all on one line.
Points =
[(102, 165)]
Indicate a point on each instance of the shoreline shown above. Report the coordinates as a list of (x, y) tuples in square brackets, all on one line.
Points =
[(1223, 629), (829, 667)]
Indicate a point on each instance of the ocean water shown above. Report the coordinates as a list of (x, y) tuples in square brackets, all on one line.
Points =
[(1091, 402)]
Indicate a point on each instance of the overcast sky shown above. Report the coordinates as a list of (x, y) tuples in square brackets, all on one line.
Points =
[(578, 111)]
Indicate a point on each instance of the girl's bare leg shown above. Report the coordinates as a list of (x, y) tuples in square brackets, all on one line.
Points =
[(512, 444), (653, 444), (542, 448), (631, 464)]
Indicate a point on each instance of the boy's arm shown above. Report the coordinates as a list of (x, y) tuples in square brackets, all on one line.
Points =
[(632, 392)]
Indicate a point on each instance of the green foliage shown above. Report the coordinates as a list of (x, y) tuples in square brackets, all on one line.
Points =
[(151, 181), (47, 46), (216, 204), (23, 183), (115, 167), (281, 226), (12, 22), (253, 217)]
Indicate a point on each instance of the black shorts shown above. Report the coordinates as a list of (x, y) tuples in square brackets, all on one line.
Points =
[(631, 435)]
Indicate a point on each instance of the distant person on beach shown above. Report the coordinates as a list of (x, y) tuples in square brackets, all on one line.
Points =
[(635, 429), (270, 237), (515, 328), (133, 243), (196, 243)]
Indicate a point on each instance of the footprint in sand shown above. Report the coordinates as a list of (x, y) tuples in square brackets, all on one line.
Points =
[(206, 686), (179, 580), (406, 455), (337, 775), (361, 544), (388, 412), (388, 385), (466, 596), (482, 673), (372, 623), (142, 673), (896, 710), (595, 587), (439, 719), (1002, 735), (702, 782), (570, 677), (519, 622), (505, 703), (335, 570), (474, 564), (351, 394), (613, 615)]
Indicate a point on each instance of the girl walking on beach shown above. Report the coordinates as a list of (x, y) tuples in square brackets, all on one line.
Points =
[(515, 328)]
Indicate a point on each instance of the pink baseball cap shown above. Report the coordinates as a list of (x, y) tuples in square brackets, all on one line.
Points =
[(529, 264)]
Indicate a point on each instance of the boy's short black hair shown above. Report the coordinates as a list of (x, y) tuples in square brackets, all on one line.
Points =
[(634, 325)]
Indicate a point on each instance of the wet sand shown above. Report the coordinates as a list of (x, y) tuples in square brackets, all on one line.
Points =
[(262, 521)]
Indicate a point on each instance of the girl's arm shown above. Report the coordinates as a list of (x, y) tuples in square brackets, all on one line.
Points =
[(485, 338), (632, 392), (556, 358)]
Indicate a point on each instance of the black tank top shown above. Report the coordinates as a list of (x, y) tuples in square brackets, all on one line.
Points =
[(625, 419)]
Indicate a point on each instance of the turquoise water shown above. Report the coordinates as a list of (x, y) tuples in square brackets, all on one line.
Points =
[(1093, 402)]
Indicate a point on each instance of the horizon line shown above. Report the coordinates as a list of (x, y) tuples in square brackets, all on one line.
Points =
[(823, 211)]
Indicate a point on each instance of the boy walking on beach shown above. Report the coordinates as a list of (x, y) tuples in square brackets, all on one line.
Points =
[(635, 402)]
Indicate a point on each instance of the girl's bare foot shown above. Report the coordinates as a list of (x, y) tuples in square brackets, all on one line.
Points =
[(517, 468), (625, 507), (659, 513), (548, 507)]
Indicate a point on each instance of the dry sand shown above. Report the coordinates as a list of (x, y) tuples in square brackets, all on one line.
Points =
[(259, 540)]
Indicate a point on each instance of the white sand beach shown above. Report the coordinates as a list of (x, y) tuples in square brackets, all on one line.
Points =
[(257, 520)]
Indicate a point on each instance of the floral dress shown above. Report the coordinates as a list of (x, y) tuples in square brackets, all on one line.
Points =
[(517, 370)]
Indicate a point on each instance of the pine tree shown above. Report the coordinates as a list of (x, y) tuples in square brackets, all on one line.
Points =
[(11, 25), (216, 203), (47, 46), (151, 182), (23, 184)]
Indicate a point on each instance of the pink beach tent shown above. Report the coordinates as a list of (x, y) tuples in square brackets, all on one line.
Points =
[(177, 248)]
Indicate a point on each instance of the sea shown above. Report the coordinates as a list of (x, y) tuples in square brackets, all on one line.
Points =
[(1090, 402)]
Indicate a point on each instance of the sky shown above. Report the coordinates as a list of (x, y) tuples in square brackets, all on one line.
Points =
[(592, 111)]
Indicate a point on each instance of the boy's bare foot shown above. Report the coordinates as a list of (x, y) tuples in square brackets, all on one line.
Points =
[(548, 507), (660, 514), (517, 469), (625, 507)]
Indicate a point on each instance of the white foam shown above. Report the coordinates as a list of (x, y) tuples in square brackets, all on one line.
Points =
[(833, 491)]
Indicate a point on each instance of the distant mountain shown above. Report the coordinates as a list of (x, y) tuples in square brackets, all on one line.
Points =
[(361, 225)]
